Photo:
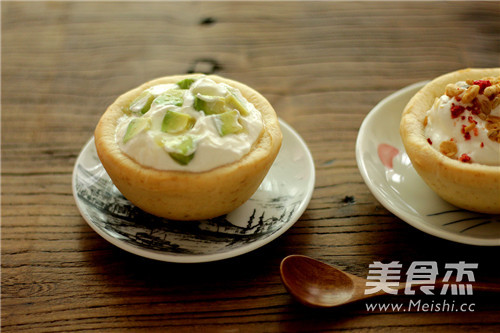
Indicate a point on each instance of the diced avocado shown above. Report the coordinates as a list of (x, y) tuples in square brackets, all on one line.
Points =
[(183, 149), (228, 123), (136, 126), (182, 159), (142, 103), (170, 97), (186, 83), (199, 104), (182, 144), (209, 104), (176, 122), (234, 102), (180, 148)]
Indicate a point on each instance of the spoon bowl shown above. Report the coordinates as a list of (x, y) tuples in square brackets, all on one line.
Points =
[(314, 283), (317, 284)]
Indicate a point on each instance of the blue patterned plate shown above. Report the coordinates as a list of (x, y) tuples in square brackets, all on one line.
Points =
[(278, 203), (389, 174)]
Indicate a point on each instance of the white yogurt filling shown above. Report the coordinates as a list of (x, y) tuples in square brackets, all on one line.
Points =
[(450, 119), (212, 125)]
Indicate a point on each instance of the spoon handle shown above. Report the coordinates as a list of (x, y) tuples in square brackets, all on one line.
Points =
[(483, 286), (486, 286)]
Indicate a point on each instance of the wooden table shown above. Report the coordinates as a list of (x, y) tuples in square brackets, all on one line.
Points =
[(323, 66)]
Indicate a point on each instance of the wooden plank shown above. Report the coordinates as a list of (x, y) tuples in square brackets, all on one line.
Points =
[(323, 66)]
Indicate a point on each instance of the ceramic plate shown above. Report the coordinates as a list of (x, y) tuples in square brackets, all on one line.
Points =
[(388, 172), (276, 206)]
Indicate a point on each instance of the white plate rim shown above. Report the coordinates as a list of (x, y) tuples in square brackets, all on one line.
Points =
[(201, 258), (375, 188)]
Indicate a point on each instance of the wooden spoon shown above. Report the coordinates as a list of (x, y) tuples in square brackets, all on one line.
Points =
[(317, 284)]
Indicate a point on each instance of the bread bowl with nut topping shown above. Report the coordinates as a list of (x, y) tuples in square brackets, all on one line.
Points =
[(188, 147), (450, 131)]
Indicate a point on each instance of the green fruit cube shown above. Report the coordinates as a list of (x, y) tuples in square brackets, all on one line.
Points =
[(170, 97), (209, 104), (142, 103), (186, 83), (181, 159), (180, 148), (233, 102), (228, 123), (136, 126), (176, 122)]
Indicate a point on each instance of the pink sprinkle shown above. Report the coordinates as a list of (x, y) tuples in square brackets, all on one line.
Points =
[(464, 158)]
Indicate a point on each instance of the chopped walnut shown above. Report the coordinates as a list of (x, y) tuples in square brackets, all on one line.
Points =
[(485, 105), (492, 90), (493, 127), (470, 94), (493, 135), (448, 148), (470, 127), (453, 90), (495, 102)]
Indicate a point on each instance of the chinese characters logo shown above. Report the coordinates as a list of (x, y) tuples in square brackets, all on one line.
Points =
[(421, 275)]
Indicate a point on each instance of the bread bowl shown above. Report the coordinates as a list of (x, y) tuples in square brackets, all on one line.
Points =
[(186, 180), (452, 139)]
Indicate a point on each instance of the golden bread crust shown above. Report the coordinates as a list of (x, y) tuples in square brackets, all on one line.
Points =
[(184, 195), (470, 186)]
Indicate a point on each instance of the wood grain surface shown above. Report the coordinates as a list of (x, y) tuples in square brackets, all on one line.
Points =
[(323, 66)]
